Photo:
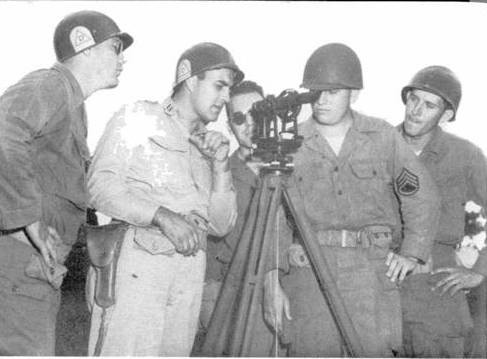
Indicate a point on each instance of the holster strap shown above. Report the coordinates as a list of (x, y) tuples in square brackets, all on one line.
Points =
[(364, 238)]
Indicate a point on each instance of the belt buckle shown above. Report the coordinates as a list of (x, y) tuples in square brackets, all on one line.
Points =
[(344, 238)]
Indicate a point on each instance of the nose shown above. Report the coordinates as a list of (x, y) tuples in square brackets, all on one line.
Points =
[(121, 58), (225, 94), (250, 121), (417, 109), (323, 98)]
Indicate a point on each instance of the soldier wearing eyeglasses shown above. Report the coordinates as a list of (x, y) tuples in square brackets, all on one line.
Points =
[(245, 173), (43, 156)]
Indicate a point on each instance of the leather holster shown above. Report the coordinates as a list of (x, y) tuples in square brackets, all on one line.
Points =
[(104, 244)]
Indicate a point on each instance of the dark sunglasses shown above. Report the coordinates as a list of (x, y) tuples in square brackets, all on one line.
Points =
[(238, 118)]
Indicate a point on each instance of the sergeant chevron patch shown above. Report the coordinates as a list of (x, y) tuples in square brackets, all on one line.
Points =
[(407, 183)]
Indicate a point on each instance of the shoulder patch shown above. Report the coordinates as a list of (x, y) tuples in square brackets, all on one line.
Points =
[(407, 183)]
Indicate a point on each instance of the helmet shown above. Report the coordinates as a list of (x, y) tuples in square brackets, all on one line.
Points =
[(439, 80), (84, 29), (333, 66), (203, 57)]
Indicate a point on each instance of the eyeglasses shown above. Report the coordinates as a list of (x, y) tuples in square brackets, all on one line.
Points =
[(118, 47), (238, 118)]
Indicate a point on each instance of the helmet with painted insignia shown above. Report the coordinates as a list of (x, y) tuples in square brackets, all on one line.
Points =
[(202, 57), (84, 29), (333, 66), (439, 80)]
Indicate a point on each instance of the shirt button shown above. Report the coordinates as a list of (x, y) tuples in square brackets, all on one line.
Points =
[(335, 169), (340, 192)]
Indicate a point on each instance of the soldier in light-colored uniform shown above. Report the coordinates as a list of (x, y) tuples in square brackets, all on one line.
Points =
[(347, 170), (158, 168)]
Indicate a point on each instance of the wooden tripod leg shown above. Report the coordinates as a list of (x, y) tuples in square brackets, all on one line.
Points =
[(221, 321), (322, 272), (252, 286)]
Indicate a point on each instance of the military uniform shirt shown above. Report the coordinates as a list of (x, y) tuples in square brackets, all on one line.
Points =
[(145, 160), (459, 170), (354, 189), (43, 152)]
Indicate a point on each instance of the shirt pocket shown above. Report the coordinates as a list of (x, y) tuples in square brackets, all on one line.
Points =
[(369, 190)]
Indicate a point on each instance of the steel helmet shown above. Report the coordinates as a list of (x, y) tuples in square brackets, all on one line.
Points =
[(203, 57), (84, 29), (439, 80), (333, 66)]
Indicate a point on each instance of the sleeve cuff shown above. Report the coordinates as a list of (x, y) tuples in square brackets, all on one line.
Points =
[(21, 217), (417, 248)]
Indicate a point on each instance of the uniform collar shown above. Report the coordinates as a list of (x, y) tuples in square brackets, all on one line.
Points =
[(78, 97), (171, 110), (360, 123), (434, 145)]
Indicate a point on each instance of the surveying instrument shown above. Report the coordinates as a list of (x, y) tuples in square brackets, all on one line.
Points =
[(230, 331)]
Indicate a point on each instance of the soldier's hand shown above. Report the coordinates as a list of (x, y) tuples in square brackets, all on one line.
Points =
[(212, 144), (183, 234), (459, 278), (399, 266), (44, 239), (276, 302)]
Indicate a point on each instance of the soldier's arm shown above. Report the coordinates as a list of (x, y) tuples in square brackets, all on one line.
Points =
[(222, 209), (107, 178), (477, 185), (24, 111), (460, 278)]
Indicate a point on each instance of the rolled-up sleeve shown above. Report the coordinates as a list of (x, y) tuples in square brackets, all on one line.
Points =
[(419, 201), (222, 210), (107, 179)]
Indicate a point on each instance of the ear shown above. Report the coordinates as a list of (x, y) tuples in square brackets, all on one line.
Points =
[(190, 83), (354, 95), (446, 116)]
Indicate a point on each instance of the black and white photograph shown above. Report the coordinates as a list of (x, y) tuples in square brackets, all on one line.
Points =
[(243, 179)]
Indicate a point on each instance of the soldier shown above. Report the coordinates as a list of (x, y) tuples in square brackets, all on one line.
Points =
[(245, 173), (158, 168), (43, 152), (346, 170), (436, 323)]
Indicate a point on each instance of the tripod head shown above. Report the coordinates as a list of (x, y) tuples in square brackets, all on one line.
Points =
[(276, 128)]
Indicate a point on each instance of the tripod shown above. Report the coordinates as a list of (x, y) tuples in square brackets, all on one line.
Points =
[(230, 331)]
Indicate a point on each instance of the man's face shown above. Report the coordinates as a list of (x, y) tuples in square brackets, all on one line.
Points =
[(424, 111), (331, 106), (240, 120), (108, 62), (210, 94)]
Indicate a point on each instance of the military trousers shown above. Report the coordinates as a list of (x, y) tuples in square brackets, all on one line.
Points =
[(28, 306), (371, 299), (435, 325), (157, 304)]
